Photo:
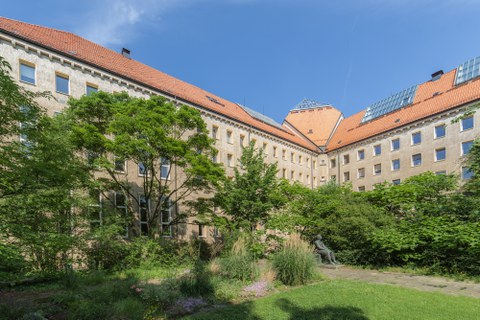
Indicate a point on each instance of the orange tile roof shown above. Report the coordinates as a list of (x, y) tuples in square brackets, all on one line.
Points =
[(91, 53), (432, 97), (317, 124)]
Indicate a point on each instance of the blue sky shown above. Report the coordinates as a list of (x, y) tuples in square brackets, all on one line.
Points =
[(270, 54)]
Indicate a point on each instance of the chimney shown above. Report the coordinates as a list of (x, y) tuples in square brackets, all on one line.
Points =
[(437, 75), (126, 53)]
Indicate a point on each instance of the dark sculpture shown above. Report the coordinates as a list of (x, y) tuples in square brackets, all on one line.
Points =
[(322, 250)]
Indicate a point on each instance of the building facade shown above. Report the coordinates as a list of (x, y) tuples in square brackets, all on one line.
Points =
[(400, 136)]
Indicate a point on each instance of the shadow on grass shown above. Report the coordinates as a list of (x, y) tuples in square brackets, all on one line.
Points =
[(323, 313)]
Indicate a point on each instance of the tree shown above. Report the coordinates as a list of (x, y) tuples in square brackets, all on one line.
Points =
[(168, 143), (248, 198)]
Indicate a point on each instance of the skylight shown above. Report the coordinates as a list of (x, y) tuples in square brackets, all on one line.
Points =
[(392, 103), (468, 71), (309, 104), (261, 117)]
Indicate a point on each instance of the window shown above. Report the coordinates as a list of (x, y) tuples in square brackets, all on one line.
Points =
[(144, 213), (314, 164), (300, 160), (275, 154), (121, 207), (120, 164), (333, 163), (360, 154), (62, 83), (27, 72), (315, 181), (466, 173), (346, 176), (214, 132), (440, 131), (292, 175), (284, 154), (377, 150), (142, 169), (164, 168), (95, 213), (229, 137), (215, 158), (439, 173), (361, 173), (396, 165), (417, 159), (292, 157), (307, 161), (284, 173), (377, 169), (346, 159), (467, 123), (264, 148), (396, 182), (201, 230), (308, 179), (395, 144), (242, 140), (166, 217), (91, 88), (300, 177), (466, 147), (416, 138), (440, 154), (361, 188), (229, 160)]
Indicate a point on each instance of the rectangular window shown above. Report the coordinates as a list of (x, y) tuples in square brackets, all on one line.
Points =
[(121, 208), (62, 83), (142, 169), (361, 189), (166, 217), (264, 148), (360, 154), (229, 137), (377, 150), (308, 179), (275, 154), (120, 164), (396, 165), (300, 177), (284, 154), (333, 163), (292, 157), (346, 159), (466, 173), (215, 158), (417, 159), (95, 213), (361, 173), (467, 123), (242, 140), (377, 169), (314, 181), (396, 182), (201, 230), (416, 138), (300, 160), (395, 144), (440, 131), (307, 161), (164, 168), (346, 176), (440, 154), (91, 88), (27, 72), (229, 160), (214, 132), (144, 213), (315, 164), (292, 175), (466, 147), (284, 173)]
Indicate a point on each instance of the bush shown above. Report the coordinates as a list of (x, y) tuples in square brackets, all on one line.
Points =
[(239, 263), (11, 259), (197, 282), (295, 263)]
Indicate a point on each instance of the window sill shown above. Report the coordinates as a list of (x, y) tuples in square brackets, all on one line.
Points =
[(29, 83), (63, 93)]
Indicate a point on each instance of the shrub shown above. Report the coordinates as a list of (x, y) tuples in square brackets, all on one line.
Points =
[(11, 259), (239, 263), (295, 263), (197, 282)]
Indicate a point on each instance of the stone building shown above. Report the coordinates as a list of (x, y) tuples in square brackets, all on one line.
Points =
[(400, 136)]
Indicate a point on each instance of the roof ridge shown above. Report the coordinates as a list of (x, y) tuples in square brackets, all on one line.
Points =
[(40, 26)]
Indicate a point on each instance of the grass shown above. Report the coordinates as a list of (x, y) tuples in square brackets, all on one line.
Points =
[(344, 299)]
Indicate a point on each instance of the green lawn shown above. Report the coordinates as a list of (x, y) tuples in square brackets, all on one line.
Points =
[(352, 300)]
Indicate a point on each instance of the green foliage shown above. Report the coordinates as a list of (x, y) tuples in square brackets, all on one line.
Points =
[(238, 263), (197, 282), (11, 259), (145, 131), (295, 263), (248, 198), (128, 308)]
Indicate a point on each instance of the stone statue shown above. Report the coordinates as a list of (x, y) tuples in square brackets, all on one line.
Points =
[(322, 250)]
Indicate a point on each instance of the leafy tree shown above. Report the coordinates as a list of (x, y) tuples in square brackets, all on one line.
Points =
[(161, 138), (248, 198)]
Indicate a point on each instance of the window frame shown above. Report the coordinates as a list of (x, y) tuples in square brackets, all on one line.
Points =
[(416, 134), (63, 76), (375, 153), (392, 144), (462, 150), (90, 85), (462, 127), (393, 164), (437, 150), (27, 64), (375, 171), (413, 161), (436, 136), (361, 152)]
